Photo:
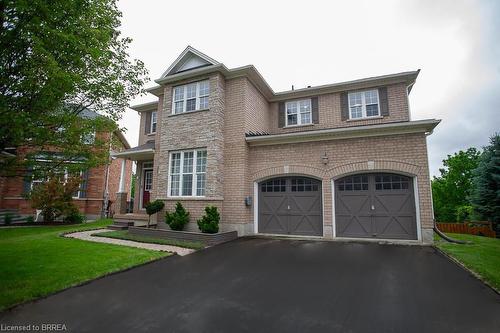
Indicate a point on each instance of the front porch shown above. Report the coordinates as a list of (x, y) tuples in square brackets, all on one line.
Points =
[(126, 216)]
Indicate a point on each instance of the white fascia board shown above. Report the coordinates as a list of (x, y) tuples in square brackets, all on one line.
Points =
[(149, 106), (419, 126)]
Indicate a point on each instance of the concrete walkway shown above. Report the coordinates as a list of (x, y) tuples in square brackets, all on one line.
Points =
[(87, 235)]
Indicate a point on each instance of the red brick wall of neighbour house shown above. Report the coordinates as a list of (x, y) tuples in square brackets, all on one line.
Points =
[(199, 129), (12, 191), (330, 112), (398, 153)]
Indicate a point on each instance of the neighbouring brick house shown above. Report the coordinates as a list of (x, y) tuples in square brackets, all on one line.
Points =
[(99, 184), (338, 160)]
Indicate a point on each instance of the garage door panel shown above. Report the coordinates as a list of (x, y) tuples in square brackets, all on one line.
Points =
[(375, 206), (352, 202), (291, 205), (353, 226), (272, 223), (308, 225)]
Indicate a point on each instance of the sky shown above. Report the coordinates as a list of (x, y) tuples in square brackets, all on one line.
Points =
[(456, 44)]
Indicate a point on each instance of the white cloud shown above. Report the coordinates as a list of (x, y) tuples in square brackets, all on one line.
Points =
[(455, 43)]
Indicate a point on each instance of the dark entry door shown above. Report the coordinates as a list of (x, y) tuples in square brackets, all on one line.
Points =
[(291, 206), (380, 205), (147, 187)]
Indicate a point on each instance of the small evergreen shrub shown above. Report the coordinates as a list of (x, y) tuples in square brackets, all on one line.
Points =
[(74, 216), (30, 219), (209, 223), (154, 207), (7, 219), (178, 219)]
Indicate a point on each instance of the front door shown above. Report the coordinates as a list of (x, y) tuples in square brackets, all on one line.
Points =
[(147, 186)]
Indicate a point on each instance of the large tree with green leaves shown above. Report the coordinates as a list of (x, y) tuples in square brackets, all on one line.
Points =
[(485, 196), (57, 59), (451, 189)]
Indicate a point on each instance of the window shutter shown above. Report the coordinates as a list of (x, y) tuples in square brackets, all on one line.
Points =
[(147, 128), (315, 111), (83, 184), (27, 180), (344, 106), (281, 115), (384, 103)]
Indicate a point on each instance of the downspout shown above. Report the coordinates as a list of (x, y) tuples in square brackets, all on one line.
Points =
[(435, 228), (105, 195)]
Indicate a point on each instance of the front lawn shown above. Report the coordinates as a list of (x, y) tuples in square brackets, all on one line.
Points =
[(482, 256), (36, 261), (123, 234)]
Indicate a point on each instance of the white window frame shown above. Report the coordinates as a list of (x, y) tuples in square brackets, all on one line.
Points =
[(154, 116), (184, 97), (89, 139), (65, 177), (181, 173), (299, 118), (363, 104)]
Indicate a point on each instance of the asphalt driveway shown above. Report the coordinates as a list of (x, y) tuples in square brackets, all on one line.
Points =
[(265, 285)]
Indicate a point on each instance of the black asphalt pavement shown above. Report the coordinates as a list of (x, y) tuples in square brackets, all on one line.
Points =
[(269, 285)]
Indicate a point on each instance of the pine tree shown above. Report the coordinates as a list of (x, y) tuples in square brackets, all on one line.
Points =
[(485, 196)]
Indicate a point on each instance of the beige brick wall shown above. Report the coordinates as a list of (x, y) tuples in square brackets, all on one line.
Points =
[(237, 107), (199, 129), (398, 153), (330, 113)]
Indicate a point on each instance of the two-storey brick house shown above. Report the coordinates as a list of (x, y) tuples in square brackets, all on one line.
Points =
[(339, 160), (97, 194)]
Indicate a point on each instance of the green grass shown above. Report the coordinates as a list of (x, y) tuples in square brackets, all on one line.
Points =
[(482, 256), (123, 234), (36, 261)]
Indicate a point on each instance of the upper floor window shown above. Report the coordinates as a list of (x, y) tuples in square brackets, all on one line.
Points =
[(191, 97), (88, 138), (298, 112), (188, 173), (153, 122), (363, 104)]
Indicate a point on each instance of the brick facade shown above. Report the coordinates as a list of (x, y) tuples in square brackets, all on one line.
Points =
[(12, 190), (238, 106)]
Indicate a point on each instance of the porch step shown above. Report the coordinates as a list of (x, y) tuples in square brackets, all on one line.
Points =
[(14, 215), (126, 223), (131, 217)]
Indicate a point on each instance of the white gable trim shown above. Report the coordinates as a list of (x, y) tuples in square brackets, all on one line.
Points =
[(187, 59)]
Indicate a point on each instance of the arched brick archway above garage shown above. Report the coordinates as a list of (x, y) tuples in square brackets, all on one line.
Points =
[(370, 166), (288, 170)]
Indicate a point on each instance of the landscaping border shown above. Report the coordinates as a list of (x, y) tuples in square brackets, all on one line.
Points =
[(208, 239), (465, 268)]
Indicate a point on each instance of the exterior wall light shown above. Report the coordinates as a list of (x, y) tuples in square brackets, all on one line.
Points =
[(324, 159)]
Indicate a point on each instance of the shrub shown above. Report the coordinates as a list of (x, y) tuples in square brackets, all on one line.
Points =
[(7, 219), (178, 219), (154, 207), (55, 198), (30, 219), (74, 217), (209, 223), (465, 213)]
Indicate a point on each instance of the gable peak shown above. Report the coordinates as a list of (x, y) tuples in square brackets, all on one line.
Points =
[(189, 59)]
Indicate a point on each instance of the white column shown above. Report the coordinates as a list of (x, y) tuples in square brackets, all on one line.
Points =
[(121, 188)]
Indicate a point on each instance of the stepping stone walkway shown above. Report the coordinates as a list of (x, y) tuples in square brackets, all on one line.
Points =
[(87, 235)]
